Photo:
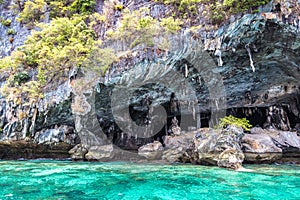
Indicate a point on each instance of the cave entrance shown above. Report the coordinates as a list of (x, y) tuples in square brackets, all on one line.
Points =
[(256, 115)]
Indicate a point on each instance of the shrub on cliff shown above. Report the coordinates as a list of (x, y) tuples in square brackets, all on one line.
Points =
[(55, 49), (234, 121), (139, 28), (34, 11), (217, 11), (83, 6), (59, 46)]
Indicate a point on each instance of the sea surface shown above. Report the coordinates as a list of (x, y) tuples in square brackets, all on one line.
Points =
[(42, 179)]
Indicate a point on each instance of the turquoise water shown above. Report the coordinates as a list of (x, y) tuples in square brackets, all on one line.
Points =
[(84, 180)]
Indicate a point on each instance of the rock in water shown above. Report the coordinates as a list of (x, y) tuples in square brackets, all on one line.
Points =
[(259, 147), (267, 146), (78, 152), (231, 158), (176, 147), (206, 146), (220, 147), (152, 151), (100, 153), (172, 155)]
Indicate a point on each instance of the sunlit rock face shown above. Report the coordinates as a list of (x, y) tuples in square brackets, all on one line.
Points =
[(10, 42)]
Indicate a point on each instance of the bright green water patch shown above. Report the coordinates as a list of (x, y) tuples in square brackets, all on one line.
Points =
[(83, 180)]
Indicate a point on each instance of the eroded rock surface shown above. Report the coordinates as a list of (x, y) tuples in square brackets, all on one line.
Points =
[(177, 146), (267, 146), (220, 148), (13, 150), (63, 133), (151, 151), (206, 146), (100, 153)]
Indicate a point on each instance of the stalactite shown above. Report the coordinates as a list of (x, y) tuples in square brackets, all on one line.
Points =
[(194, 111), (250, 57), (186, 71), (219, 54)]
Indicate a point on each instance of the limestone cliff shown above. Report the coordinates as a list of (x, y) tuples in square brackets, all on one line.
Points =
[(246, 66)]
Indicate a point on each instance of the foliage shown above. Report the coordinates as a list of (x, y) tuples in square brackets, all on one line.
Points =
[(100, 60), (33, 11), (234, 121), (182, 5), (83, 6), (119, 7), (216, 10), (11, 32), (52, 51), (6, 22), (59, 8), (20, 78), (12, 62), (235, 6), (59, 46), (139, 28), (171, 25), (219, 12)]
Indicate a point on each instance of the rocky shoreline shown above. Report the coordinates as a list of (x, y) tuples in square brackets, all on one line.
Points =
[(16, 150), (228, 148), (247, 67)]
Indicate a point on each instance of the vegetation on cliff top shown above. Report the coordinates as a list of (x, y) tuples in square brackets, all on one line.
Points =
[(214, 11), (35, 11), (67, 35), (71, 40), (139, 28)]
